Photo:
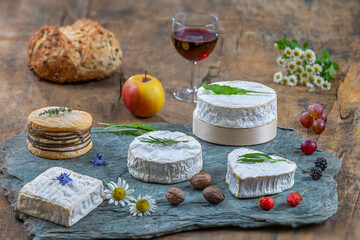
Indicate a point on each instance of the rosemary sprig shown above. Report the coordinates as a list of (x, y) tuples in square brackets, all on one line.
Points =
[(134, 129), (227, 90), (257, 157), (162, 141), (55, 111)]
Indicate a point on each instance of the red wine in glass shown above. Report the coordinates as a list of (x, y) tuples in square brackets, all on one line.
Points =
[(194, 44)]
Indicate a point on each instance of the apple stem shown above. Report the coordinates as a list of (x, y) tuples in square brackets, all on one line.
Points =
[(145, 78)]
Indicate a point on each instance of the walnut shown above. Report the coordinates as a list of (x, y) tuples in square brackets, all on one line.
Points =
[(201, 180), (213, 194), (174, 195)]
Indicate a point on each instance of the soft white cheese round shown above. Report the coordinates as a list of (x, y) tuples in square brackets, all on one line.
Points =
[(157, 163), (248, 180), (237, 111)]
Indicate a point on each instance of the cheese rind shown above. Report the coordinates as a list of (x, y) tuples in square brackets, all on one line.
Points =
[(237, 111), (45, 197), (165, 164), (248, 180)]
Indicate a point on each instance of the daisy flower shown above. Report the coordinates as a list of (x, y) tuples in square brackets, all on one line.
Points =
[(304, 74), (285, 80), (311, 78), (297, 52), (318, 81), (288, 51), (119, 193), (325, 86), (281, 62), (292, 66), (311, 87), (301, 56), (309, 69), (142, 206), (278, 77), (317, 68), (311, 60), (303, 81), (292, 80), (309, 54), (298, 62), (300, 69)]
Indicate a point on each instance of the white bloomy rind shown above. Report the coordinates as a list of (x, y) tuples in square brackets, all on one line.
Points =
[(45, 197), (248, 180), (237, 111), (165, 164)]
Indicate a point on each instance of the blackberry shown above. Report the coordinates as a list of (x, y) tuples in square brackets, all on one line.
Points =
[(321, 163), (315, 173)]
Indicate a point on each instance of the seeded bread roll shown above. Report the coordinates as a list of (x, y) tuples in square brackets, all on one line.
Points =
[(80, 52)]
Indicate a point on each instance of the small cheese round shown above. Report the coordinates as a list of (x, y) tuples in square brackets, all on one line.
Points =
[(237, 111), (248, 180), (159, 163)]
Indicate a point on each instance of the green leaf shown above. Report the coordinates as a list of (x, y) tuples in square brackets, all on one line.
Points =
[(328, 77), (332, 70), (134, 132), (336, 66), (305, 45), (260, 155), (131, 125), (325, 54), (285, 57), (227, 90)]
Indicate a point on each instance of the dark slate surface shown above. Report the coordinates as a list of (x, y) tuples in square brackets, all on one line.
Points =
[(19, 166)]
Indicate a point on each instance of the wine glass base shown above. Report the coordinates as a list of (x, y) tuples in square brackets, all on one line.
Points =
[(186, 95)]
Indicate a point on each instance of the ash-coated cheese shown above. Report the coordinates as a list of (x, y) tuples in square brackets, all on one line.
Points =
[(157, 163), (248, 180), (237, 111), (45, 197)]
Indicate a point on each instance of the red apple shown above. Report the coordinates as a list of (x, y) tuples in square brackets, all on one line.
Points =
[(143, 95)]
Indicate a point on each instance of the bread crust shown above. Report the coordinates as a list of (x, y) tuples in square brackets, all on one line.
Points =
[(79, 52)]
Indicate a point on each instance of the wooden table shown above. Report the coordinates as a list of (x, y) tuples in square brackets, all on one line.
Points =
[(244, 51)]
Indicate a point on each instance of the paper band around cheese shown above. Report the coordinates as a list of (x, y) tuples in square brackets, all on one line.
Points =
[(234, 136)]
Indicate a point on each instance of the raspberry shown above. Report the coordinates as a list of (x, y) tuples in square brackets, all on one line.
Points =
[(321, 163), (266, 202), (315, 173)]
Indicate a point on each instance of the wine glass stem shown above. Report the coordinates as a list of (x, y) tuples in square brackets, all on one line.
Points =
[(194, 77)]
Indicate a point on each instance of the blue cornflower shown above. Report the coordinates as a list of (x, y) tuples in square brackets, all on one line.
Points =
[(64, 178), (99, 160)]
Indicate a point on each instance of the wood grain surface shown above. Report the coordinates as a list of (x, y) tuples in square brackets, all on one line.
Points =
[(244, 51)]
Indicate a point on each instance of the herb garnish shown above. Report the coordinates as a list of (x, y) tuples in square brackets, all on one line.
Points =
[(227, 90), (257, 157), (162, 141), (55, 111), (134, 129)]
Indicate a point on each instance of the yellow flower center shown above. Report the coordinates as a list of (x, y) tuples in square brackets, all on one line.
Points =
[(288, 52), (291, 66), (309, 70), (308, 55), (118, 194), (277, 76), (296, 53), (311, 78), (316, 69), (142, 205)]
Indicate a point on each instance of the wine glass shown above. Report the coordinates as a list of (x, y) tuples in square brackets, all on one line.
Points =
[(194, 35)]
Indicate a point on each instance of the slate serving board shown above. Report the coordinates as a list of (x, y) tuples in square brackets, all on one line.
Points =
[(19, 166)]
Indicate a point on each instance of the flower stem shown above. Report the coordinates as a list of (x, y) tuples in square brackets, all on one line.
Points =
[(108, 185)]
